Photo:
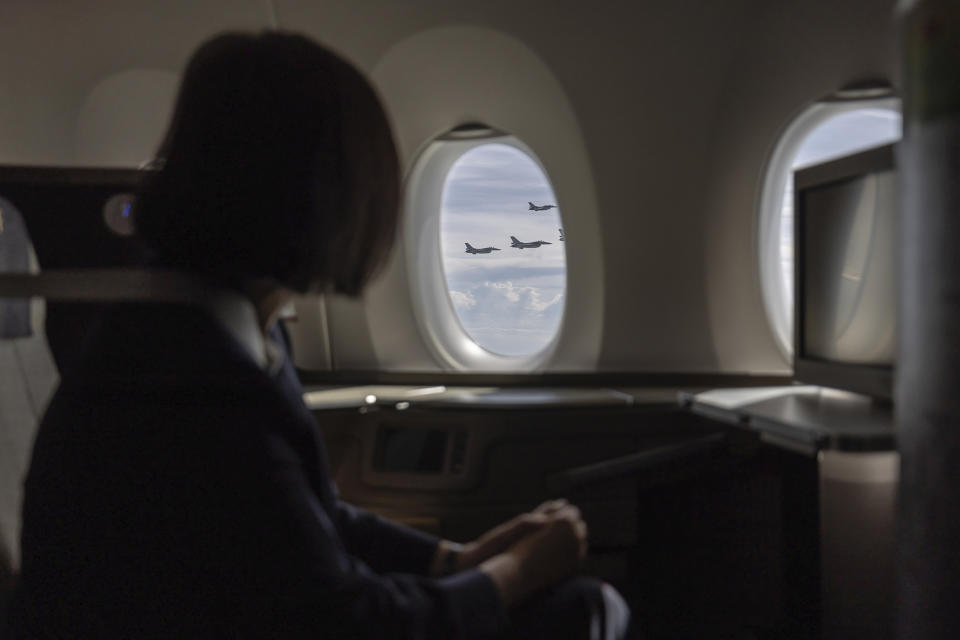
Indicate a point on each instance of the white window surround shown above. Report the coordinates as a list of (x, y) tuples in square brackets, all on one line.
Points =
[(776, 176), (436, 318)]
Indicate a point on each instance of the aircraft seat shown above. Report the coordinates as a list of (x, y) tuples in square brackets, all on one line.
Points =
[(28, 379), (29, 373)]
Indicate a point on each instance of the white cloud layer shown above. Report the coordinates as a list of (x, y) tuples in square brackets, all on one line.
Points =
[(508, 318)]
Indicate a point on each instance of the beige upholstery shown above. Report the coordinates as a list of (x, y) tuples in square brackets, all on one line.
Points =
[(27, 380)]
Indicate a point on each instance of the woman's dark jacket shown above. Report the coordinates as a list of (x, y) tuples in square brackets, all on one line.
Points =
[(178, 489)]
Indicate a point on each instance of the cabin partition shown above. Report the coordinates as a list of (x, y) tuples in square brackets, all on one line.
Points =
[(708, 531)]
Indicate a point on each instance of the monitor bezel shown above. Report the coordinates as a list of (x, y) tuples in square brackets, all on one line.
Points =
[(871, 380)]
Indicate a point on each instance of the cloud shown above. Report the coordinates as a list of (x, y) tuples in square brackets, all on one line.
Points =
[(507, 318), (511, 304), (464, 275), (462, 302)]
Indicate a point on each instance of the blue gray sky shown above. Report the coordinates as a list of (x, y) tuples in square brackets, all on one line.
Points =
[(510, 301)]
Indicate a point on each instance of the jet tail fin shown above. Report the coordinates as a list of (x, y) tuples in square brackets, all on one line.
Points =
[(468, 245), (514, 238)]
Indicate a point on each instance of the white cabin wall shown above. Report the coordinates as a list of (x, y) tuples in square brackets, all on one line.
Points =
[(123, 118), (643, 80), (54, 54), (678, 104), (646, 94), (792, 53)]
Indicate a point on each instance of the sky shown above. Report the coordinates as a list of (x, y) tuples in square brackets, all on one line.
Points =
[(509, 301), (840, 135)]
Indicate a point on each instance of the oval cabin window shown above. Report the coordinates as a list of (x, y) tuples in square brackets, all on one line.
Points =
[(823, 132), (502, 248)]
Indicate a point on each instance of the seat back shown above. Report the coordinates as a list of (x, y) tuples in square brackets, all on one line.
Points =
[(50, 218)]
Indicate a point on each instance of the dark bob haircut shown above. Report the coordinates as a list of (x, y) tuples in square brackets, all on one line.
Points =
[(279, 163)]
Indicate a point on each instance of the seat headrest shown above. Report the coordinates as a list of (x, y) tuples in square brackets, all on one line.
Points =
[(107, 285), (231, 309)]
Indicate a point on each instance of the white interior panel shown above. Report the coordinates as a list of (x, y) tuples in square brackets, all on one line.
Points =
[(124, 117), (56, 53)]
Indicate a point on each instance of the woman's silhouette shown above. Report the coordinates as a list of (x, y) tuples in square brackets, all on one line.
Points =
[(179, 486)]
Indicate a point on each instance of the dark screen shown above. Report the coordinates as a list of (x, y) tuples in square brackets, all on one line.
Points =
[(849, 270), (410, 449)]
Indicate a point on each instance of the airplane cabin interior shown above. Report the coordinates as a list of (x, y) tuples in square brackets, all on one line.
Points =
[(719, 328)]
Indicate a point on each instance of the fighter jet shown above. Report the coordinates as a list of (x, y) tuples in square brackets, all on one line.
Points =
[(562, 238), (516, 244), (542, 207), (483, 250)]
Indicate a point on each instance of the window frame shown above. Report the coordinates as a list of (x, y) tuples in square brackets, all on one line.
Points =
[(770, 206), (437, 320)]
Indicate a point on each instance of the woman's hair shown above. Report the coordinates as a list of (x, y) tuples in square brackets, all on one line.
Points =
[(279, 163)]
